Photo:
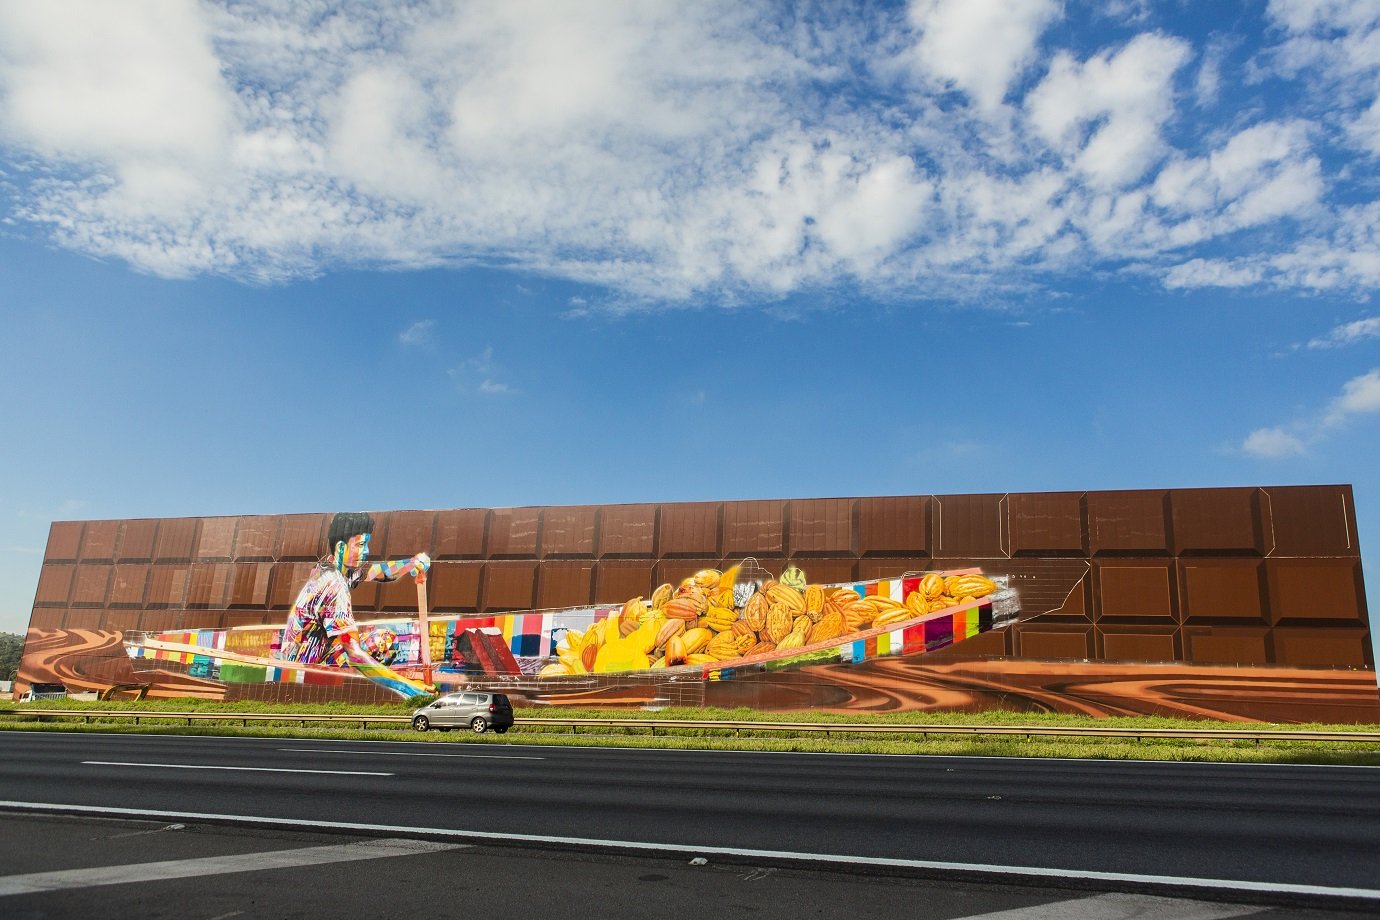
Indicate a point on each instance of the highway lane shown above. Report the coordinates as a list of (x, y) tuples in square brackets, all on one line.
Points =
[(1269, 824)]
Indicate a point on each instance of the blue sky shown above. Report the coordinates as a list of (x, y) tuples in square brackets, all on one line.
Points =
[(269, 258)]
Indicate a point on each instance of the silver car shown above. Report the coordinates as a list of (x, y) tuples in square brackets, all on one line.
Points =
[(476, 711)]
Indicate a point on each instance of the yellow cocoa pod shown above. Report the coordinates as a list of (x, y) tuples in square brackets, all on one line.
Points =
[(932, 585), (696, 639), (742, 628), (814, 599), (842, 596), (722, 599), (891, 617), (973, 586), (792, 640), (633, 609), (661, 595), (668, 630), (802, 623), (729, 576), (554, 669), (829, 627), (940, 603), (708, 578), (755, 611), (701, 659), (859, 615), (659, 663), (949, 582), (916, 603), (883, 603), (721, 618), (787, 597), (779, 623), (722, 647)]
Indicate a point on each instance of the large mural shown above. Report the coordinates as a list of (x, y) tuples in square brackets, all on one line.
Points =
[(1092, 629)]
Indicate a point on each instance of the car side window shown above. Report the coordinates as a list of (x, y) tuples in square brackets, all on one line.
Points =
[(469, 698)]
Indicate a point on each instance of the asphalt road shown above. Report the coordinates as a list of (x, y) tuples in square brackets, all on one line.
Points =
[(1059, 822)]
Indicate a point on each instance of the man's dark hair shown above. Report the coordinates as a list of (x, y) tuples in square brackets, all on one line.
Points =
[(347, 524)]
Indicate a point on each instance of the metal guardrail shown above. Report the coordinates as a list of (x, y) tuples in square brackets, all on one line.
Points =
[(652, 725)]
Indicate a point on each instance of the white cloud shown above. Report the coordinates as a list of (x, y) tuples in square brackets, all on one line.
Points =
[(1360, 395), (479, 374), (980, 46), (728, 149), (1349, 333), (1272, 444), (419, 333), (1105, 113), (1210, 273)]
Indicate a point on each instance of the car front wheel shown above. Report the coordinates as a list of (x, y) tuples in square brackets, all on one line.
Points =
[(421, 723), (479, 724)]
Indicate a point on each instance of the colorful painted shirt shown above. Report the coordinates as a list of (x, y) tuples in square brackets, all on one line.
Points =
[(321, 612)]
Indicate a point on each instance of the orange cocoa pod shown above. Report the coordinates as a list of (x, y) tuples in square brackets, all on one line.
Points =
[(681, 608), (675, 651), (829, 627), (814, 598), (742, 628), (761, 648), (755, 611), (779, 623), (932, 585)]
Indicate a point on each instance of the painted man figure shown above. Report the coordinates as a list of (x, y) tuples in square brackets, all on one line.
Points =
[(321, 628)]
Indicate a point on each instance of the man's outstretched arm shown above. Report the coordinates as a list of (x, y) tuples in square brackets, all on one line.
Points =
[(395, 569), (380, 674)]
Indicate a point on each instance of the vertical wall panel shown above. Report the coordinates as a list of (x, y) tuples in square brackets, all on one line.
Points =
[(54, 585), (167, 586), (453, 587), (1135, 589), (217, 539), (689, 529), (754, 528), (302, 537), (1222, 588), (210, 584), (90, 585), (1048, 523), (128, 583), (513, 532), (98, 542), (627, 530), (1313, 589), (509, 586), (1128, 523), (970, 526), (1311, 520), (409, 533), (255, 538), (894, 526), (460, 533), (1226, 645), (565, 584), (616, 580), (568, 532), (249, 587), (821, 527), (1216, 521), (137, 541), (64, 541)]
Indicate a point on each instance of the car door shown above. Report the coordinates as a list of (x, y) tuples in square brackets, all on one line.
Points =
[(448, 710)]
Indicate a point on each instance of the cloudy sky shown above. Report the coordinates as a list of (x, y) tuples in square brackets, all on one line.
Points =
[(264, 257)]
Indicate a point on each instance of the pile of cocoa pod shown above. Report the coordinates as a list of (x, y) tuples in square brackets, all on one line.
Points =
[(698, 622)]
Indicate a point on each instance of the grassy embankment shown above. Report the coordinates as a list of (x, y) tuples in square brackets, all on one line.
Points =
[(1270, 751)]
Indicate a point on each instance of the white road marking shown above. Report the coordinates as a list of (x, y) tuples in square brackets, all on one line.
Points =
[(38, 882), (197, 766), (1119, 906), (1011, 872), (411, 754)]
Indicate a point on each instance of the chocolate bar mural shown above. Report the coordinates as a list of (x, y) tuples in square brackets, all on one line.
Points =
[(1223, 603)]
